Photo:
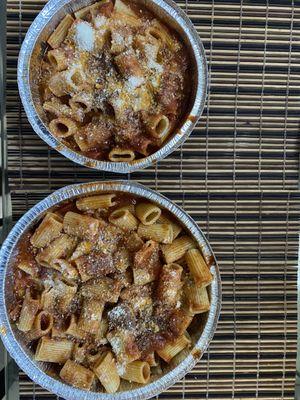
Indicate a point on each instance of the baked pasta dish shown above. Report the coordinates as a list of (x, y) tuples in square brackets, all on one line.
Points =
[(106, 290), (114, 81)]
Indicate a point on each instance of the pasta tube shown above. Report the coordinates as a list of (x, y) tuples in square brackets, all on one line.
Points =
[(61, 31), (176, 228), (70, 329), (76, 375), (63, 127), (82, 12), (82, 249), (197, 299), (123, 219), (147, 213), (121, 341), (53, 351), (198, 268), (161, 233), (121, 155), (48, 299), (106, 371), (81, 102), (90, 316), (137, 371), (80, 225), (158, 126), (68, 271), (101, 334), (65, 294), (95, 202), (173, 348), (61, 247), (29, 268), (169, 284), (58, 59), (42, 325), (49, 229), (147, 264), (160, 33), (29, 310), (174, 251)]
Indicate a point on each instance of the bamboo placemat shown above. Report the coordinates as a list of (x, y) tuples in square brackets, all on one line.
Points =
[(246, 142)]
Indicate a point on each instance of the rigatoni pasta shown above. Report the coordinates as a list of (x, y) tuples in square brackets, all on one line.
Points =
[(148, 213), (58, 58), (80, 225), (121, 155), (137, 371), (161, 233), (53, 351), (49, 229), (60, 247), (95, 202), (126, 107), (169, 284), (90, 316), (197, 298), (42, 325), (110, 294), (107, 373), (123, 219), (60, 33), (198, 268), (176, 229), (158, 126), (29, 268), (177, 249), (63, 127), (173, 348), (28, 312), (76, 375)]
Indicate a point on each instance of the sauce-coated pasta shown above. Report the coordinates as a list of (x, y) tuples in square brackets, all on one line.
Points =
[(100, 298), (114, 81)]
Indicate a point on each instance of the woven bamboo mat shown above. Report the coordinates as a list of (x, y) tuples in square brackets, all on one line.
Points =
[(237, 175)]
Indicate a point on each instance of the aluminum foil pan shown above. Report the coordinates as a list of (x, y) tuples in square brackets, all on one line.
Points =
[(13, 341), (33, 49)]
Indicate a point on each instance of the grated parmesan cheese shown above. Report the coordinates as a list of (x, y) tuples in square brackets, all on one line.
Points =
[(85, 36), (178, 304), (151, 55), (134, 82), (100, 21), (121, 368), (150, 51), (116, 344), (154, 65), (49, 282), (118, 39)]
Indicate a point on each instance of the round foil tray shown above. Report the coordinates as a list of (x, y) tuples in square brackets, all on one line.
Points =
[(34, 46), (13, 340)]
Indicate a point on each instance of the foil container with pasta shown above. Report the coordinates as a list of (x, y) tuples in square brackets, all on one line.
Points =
[(34, 48), (38, 371)]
